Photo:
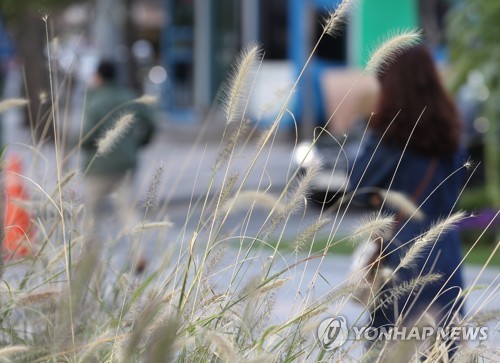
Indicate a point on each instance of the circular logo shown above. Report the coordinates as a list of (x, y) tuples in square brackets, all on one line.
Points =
[(333, 332)]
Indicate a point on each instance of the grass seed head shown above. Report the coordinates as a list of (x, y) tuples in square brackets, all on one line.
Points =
[(238, 87), (12, 103), (389, 49), (108, 142)]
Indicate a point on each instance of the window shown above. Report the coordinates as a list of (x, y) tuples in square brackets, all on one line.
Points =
[(273, 28)]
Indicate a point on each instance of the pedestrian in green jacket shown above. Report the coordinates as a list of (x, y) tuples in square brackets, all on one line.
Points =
[(111, 171)]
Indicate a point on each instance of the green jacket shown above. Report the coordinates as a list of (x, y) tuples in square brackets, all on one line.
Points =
[(105, 105)]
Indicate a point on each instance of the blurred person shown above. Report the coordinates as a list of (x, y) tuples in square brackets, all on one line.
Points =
[(113, 171), (414, 109)]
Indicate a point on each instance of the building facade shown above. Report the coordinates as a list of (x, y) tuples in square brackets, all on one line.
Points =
[(202, 37)]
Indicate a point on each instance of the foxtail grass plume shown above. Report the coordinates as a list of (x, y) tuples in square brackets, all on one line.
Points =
[(147, 100), (153, 225), (335, 294), (43, 97), (249, 198), (169, 296), (479, 353), (192, 242), (391, 48), (373, 226), (302, 189), (227, 150), (181, 343), (424, 241), (278, 98), (12, 350), (12, 103), (96, 344), (413, 254), (152, 195), (38, 297), (224, 348), (296, 201), (108, 142), (312, 312), (214, 261), (274, 285), (308, 234), (144, 317), (337, 17), (227, 190), (214, 299), (391, 295), (160, 339), (237, 90), (402, 204), (443, 226), (65, 180), (483, 317)]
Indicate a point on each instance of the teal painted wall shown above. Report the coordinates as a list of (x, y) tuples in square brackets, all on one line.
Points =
[(375, 20)]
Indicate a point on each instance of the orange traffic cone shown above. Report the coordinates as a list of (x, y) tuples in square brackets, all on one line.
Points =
[(17, 224)]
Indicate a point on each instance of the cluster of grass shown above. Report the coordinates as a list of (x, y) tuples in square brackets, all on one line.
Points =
[(71, 301)]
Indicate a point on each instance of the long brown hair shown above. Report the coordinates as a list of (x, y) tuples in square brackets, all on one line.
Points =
[(409, 85)]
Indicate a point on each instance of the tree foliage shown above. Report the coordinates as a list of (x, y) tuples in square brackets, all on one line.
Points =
[(472, 29)]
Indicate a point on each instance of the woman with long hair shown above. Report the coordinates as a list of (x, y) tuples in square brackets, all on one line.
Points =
[(413, 147)]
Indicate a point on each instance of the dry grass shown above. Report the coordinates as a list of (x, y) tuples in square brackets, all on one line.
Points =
[(72, 302)]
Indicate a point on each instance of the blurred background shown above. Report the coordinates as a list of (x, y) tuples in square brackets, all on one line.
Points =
[(182, 50)]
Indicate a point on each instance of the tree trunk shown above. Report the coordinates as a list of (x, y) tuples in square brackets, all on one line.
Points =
[(31, 42)]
